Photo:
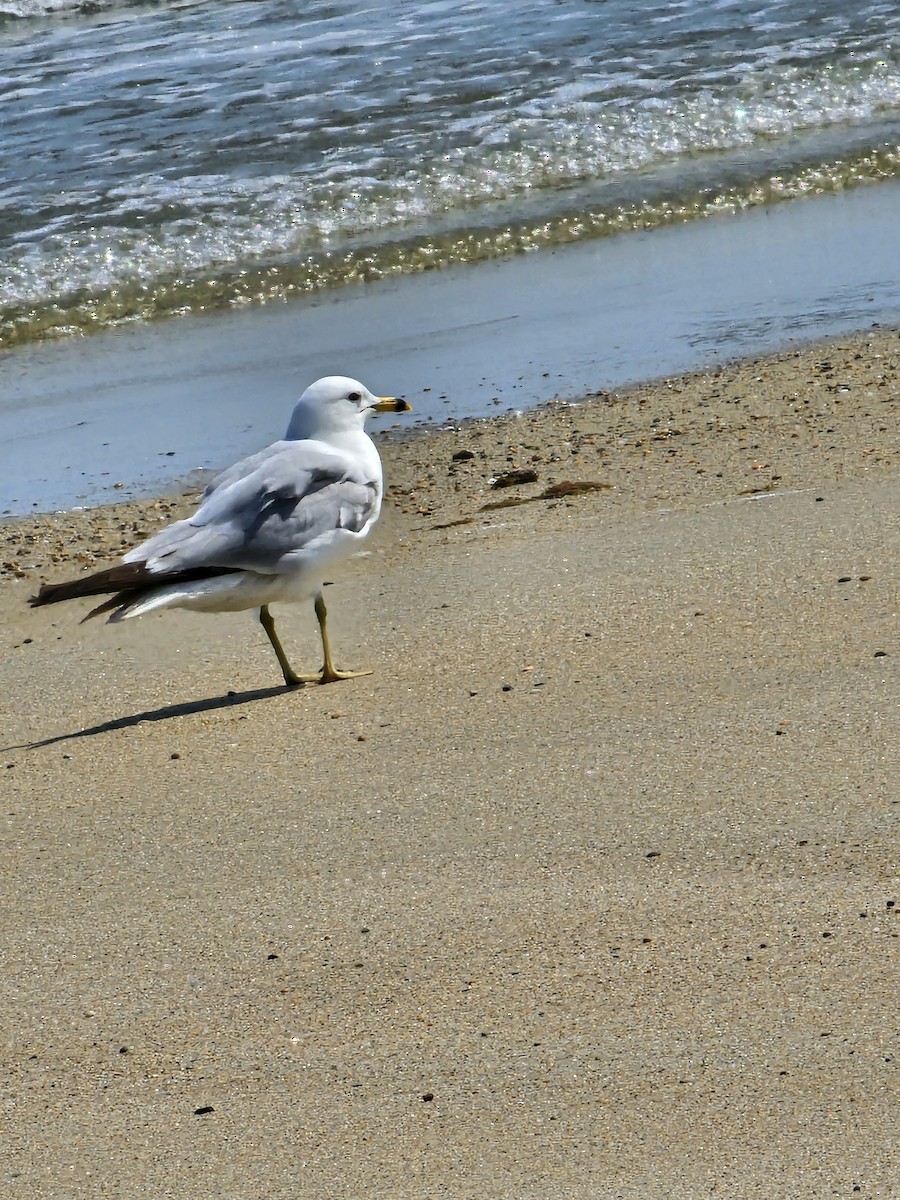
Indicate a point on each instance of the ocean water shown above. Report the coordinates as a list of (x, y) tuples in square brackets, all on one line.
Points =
[(176, 157)]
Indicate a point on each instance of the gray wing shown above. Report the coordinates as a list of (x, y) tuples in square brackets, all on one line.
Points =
[(265, 510)]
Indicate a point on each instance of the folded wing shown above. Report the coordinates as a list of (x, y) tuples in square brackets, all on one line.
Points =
[(261, 520)]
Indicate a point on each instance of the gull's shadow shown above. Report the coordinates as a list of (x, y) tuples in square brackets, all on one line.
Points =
[(165, 713)]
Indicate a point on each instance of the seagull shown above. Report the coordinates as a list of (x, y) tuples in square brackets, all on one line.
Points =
[(267, 529)]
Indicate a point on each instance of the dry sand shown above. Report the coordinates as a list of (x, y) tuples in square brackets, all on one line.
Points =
[(589, 891)]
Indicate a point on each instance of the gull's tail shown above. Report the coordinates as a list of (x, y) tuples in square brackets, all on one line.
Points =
[(129, 583)]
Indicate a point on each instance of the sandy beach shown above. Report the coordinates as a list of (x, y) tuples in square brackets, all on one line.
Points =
[(590, 890)]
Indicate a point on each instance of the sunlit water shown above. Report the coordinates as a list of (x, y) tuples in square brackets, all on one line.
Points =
[(174, 157)]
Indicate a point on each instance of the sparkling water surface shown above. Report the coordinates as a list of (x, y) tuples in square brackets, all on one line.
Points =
[(174, 157)]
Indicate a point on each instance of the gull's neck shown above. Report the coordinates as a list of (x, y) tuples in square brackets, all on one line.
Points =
[(356, 443)]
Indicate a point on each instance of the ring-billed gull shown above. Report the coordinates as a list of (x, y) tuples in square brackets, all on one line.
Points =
[(267, 529)]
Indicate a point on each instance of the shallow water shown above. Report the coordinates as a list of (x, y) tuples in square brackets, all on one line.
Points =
[(178, 157)]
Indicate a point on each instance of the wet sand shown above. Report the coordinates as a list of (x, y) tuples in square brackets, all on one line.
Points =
[(589, 890)]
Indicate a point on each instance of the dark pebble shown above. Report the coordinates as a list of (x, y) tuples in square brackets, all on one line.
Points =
[(846, 579), (507, 687), (203, 1110), (511, 478), (881, 653), (463, 455), (428, 1097)]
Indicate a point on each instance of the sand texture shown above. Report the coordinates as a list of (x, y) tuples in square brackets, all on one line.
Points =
[(588, 891)]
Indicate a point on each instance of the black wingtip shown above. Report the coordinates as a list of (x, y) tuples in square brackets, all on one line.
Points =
[(43, 596)]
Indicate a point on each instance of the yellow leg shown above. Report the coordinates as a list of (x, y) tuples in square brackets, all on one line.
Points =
[(330, 673), (291, 678)]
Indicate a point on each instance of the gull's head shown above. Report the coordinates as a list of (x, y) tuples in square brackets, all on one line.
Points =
[(336, 404)]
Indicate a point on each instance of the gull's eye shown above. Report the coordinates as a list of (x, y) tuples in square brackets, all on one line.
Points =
[(355, 397)]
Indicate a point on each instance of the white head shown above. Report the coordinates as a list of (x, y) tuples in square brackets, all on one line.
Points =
[(336, 404)]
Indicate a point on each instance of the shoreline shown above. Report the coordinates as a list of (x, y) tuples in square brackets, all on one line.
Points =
[(611, 832), (135, 408), (664, 414)]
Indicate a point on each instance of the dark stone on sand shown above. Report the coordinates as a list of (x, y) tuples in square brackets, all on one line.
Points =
[(511, 478)]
